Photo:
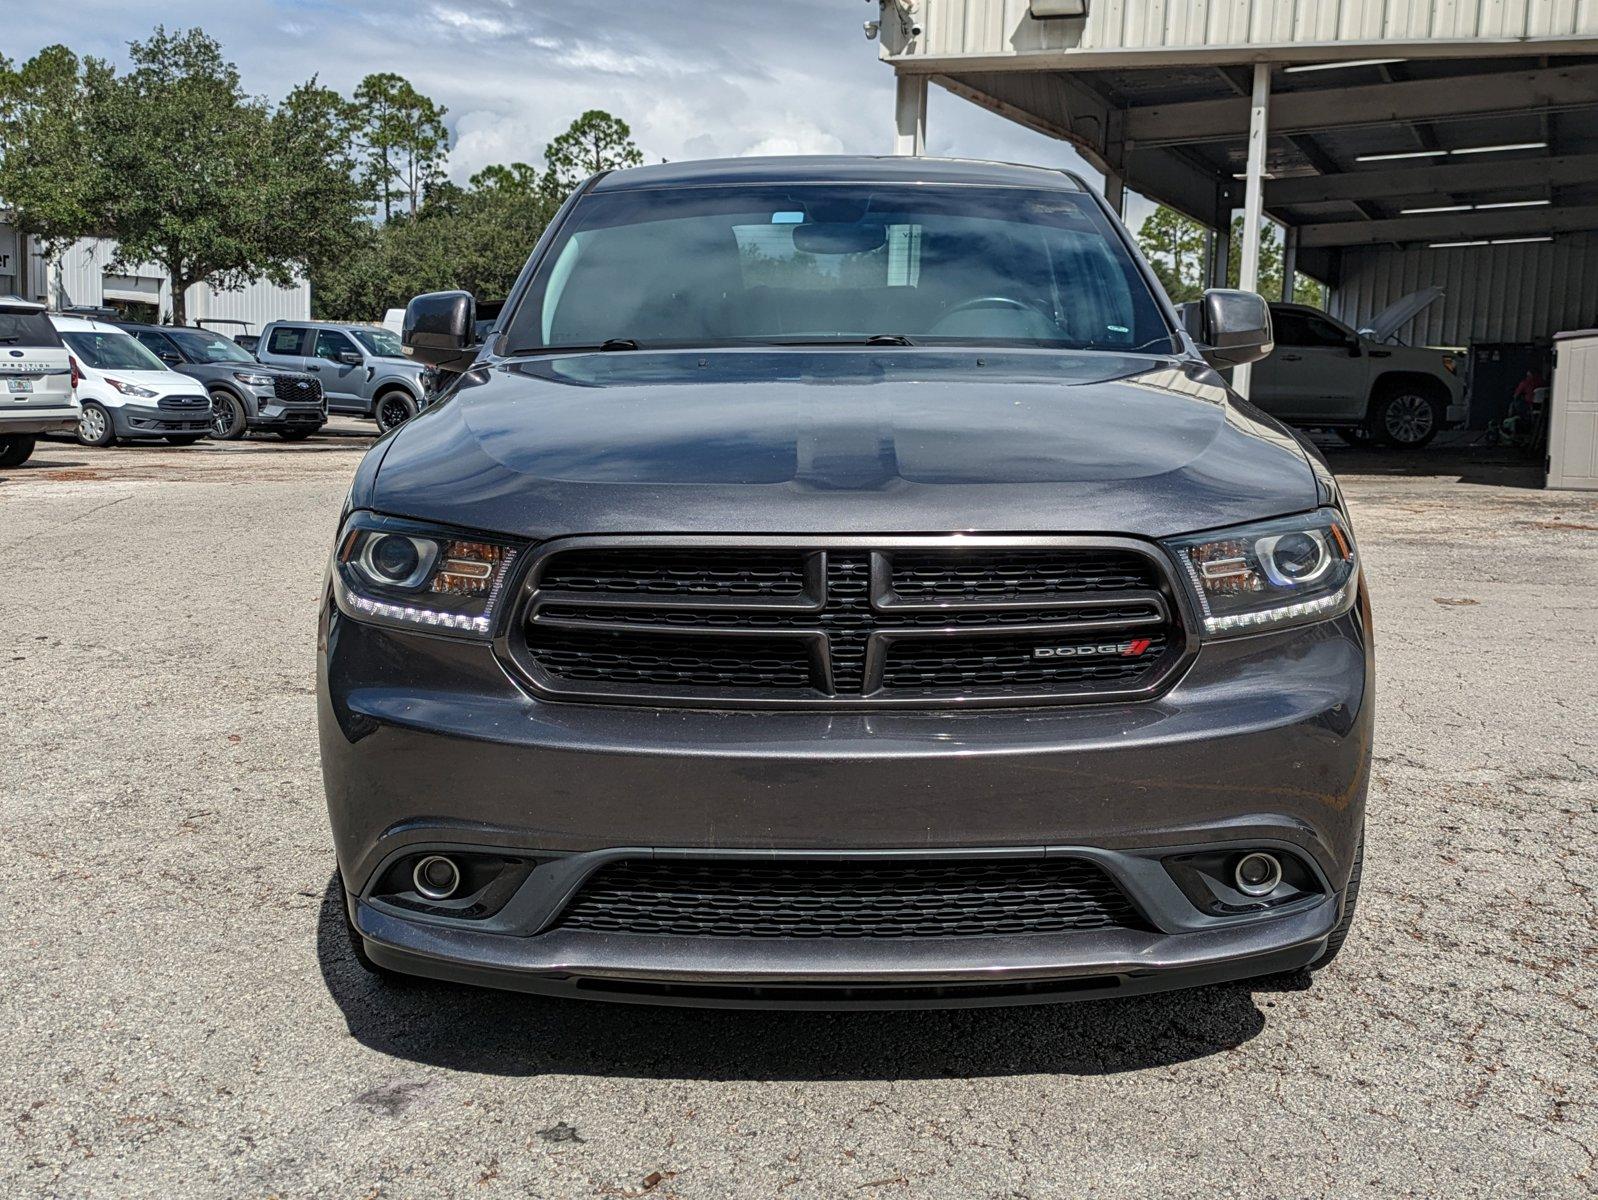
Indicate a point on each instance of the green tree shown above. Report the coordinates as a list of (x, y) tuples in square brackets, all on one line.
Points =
[(47, 176), (1174, 246), (404, 138), (596, 141), (208, 182)]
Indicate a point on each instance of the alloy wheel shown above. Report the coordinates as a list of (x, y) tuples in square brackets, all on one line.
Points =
[(222, 416), (393, 411), (1409, 419)]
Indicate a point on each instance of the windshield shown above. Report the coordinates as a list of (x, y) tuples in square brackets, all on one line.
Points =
[(382, 342), (112, 352), (840, 263), (198, 346)]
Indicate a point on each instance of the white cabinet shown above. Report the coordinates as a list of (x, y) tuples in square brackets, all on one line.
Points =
[(1573, 418)]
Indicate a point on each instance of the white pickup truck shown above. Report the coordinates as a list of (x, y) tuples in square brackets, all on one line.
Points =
[(1323, 374), (35, 380)]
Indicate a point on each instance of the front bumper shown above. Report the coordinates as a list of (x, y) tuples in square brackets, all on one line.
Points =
[(427, 743), (140, 421), (270, 413)]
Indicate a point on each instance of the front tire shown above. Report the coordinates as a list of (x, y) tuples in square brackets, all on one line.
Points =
[(1406, 417), (95, 427), (228, 418), (14, 451), (393, 410)]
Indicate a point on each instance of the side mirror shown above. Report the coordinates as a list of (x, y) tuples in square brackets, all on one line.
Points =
[(350, 358), (440, 329), (1232, 328), (171, 358)]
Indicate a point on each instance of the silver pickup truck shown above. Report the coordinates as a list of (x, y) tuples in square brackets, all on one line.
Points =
[(362, 368)]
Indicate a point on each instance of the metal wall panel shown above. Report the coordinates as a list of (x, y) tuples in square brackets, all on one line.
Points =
[(1004, 27), (1517, 293), (77, 276)]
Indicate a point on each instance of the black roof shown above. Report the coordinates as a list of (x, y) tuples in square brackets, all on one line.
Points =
[(837, 168)]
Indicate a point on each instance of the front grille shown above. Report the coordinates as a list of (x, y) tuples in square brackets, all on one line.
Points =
[(297, 389), (184, 403), (843, 899), (921, 621)]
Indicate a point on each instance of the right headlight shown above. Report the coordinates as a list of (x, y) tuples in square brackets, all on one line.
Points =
[(415, 576), (1273, 574)]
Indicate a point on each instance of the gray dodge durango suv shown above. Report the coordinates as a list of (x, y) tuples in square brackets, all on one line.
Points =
[(844, 581)]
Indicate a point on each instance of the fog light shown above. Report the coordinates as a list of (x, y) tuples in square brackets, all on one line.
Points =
[(1257, 874), (437, 877)]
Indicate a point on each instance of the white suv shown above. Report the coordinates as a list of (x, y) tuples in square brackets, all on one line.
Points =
[(127, 393), (35, 380), (1323, 374)]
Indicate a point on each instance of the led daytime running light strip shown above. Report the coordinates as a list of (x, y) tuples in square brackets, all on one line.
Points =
[(1286, 612), (419, 616)]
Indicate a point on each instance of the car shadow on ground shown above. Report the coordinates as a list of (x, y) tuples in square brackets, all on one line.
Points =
[(507, 1033), (1491, 466)]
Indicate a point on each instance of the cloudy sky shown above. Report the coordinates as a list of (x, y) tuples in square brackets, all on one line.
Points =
[(694, 78)]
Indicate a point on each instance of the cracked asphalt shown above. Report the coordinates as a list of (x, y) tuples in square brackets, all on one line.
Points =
[(181, 1017)]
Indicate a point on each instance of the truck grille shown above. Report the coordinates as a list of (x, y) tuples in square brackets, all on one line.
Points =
[(911, 622), (297, 389), (843, 899)]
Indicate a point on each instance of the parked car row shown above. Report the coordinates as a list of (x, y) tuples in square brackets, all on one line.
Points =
[(108, 380)]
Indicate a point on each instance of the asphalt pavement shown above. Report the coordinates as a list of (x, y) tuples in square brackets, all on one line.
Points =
[(182, 1018)]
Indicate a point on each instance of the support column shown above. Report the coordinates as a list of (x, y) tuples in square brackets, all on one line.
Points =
[(1220, 254), (1290, 264), (1254, 196), (1115, 193), (910, 115)]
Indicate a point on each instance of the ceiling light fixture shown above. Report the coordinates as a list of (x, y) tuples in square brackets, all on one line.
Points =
[(1452, 245), (1338, 66), (1516, 204), (1520, 240), (1441, 208), (1503, 146), (1401, 154)]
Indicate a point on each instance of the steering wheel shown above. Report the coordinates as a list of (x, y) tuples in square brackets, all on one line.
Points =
[(1010, 303), (986, 302)]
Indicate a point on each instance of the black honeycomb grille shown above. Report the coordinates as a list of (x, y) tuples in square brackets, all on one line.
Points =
[(865, 899), (297, 389), (916, 624)]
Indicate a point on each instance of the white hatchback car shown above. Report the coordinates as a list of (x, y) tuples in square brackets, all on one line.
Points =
[(127, 393)]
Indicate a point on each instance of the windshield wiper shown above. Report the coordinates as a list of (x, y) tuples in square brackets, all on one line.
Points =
[(609, 344), (875, 339)]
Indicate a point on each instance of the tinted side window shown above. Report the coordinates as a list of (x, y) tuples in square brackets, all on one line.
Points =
[(1290, 329), (1324, 333), (155, 343), (27, 329), (286, 339), (330, 344)]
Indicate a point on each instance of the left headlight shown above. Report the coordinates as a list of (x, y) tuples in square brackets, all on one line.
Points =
[(418, 577), (1277, 573), (252, 379), (130, 389)]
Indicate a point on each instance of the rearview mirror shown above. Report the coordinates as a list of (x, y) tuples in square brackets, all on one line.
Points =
[(1232, 327), (440, 329)]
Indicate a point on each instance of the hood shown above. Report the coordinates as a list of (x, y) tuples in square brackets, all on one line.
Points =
[(1395, 316), (842, 441)]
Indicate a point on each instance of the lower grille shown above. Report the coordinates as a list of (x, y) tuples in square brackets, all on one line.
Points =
[(867, 899), (916, 621)]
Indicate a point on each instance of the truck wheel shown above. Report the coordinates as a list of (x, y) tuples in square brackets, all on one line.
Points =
[(14, 451), (228, 418), (95, 427), (1350, 901), (393, 410), (1406, 417)]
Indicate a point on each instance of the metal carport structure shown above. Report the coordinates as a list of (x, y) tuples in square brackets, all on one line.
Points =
[(1399, 142)]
